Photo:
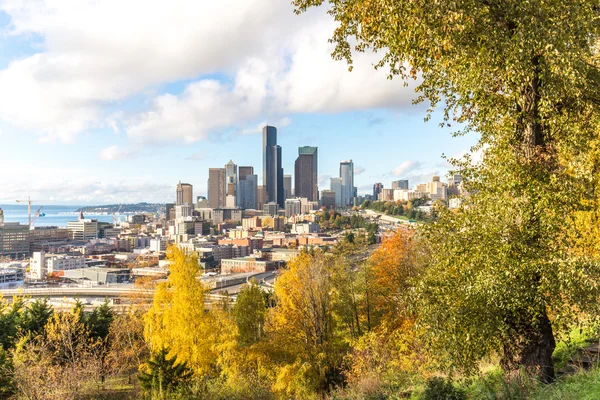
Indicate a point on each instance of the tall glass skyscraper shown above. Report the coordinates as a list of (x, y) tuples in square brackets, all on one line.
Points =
[(347, 177), (272, 169), (307, 179)]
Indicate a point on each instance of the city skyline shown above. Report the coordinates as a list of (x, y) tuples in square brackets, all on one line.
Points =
[(131, 128)]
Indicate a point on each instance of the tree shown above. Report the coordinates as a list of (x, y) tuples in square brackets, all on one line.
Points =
[(10, 319), (525, 77), (98, 321), (162, 375), (35, 316), (249, 314), (127, 346), (302, 329), (178, 320)]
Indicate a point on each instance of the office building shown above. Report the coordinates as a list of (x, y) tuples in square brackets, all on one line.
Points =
[(400, 184), (261, 197), (14, 239), (328, 199), (336, 187), (220, 215), (184, 194), (42, 264), (216, 187), (293, 207), (231, 178), (247, 191), (376, 190), (83, 229), (271, 209), (287, 187), (169, 211), (272, 169), (244, 171), (201, 202), (347, 177), (307, 175)]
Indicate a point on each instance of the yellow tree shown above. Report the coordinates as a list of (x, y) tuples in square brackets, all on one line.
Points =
[(302, 329), (178, 320)]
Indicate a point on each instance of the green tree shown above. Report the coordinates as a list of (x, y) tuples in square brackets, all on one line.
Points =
[(249, 314), (98, 321), (36, 316), (162, 375), (525, 77)]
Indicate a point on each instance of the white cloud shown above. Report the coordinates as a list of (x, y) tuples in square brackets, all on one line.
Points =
[(95, 55), (116, 153), (406, 167), (358, 170)]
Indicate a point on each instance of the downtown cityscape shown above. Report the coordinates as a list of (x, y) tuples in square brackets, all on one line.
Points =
[(299, 200)]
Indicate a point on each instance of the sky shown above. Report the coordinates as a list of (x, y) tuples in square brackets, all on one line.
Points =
[(116, 101)]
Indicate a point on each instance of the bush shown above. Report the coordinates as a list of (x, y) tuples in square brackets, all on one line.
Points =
[(441, 389)]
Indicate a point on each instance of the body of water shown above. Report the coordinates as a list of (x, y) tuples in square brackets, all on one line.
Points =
[(55, 215)]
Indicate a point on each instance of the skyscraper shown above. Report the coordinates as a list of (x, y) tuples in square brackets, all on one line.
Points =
[(306, 170), (231, 177), (216, 187), (247, 188), (347, 177), (244, 171), (336, 186), (185, 194), (376, 190), (400, 184), (272, 170), (287, 186)]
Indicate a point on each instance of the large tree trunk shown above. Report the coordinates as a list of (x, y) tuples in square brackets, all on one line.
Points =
[(530, 347), (531, 342)]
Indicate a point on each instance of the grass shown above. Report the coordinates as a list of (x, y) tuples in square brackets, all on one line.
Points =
[(584, 385)]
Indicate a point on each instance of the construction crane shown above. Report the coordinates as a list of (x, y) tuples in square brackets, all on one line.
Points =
[(114, 218), (28, 201), (35, 217)]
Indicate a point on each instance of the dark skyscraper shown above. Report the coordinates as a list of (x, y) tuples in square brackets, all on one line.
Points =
[(272, 170), (307, 177), (216, 187), (377, 188)]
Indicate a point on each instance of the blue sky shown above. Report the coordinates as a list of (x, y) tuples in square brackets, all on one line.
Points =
[(96, 108)]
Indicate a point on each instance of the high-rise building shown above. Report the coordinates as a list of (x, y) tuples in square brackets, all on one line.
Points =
[(347, 177), (169, 211), (244, 171), (307, 175), (185, 194), (261, 197), (216, 187), (336, 187), (272, 169), (247, 188), (83, 229), (293, 207), (328, 199), (376, 190), (231, 178), (400, 184), (287, 187), (14, 238)]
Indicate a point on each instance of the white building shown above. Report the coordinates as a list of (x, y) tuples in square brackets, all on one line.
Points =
[(309, 227), (83, 229), (42, 264)]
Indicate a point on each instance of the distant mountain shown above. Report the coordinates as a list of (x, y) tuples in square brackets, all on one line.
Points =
[(123, 208)]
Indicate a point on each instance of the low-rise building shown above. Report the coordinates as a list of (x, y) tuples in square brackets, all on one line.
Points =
[(247, 264), (42, 264)]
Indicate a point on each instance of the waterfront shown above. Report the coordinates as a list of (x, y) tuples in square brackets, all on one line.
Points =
[(55, 215)]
